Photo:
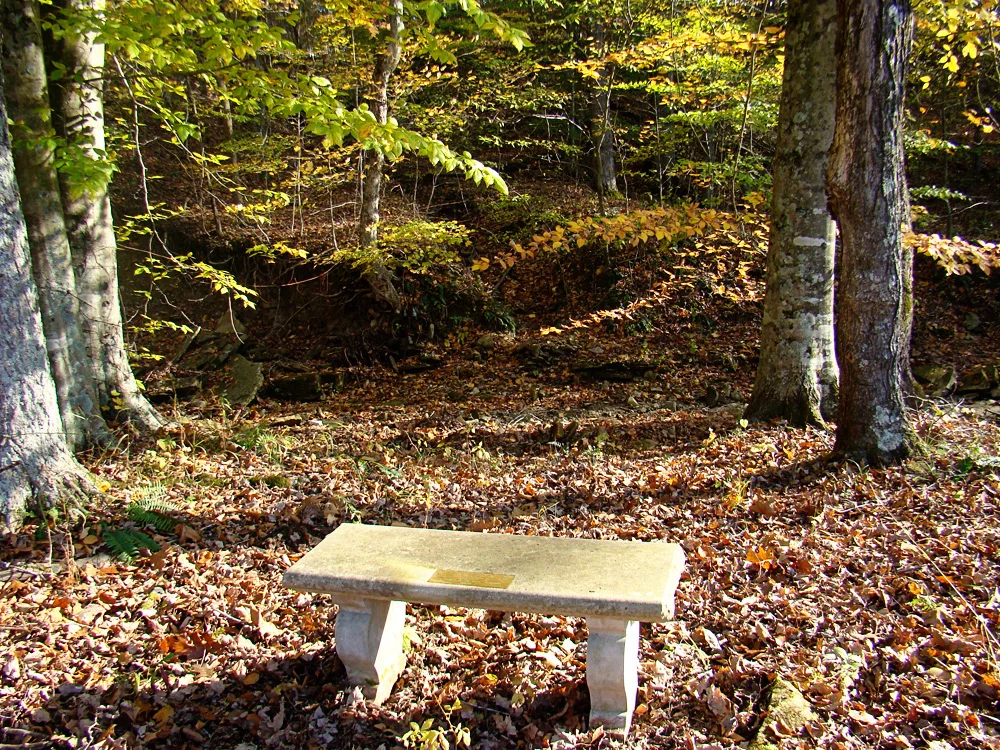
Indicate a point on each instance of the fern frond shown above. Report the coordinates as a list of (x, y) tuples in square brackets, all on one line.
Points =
[(126, 544), (152, 511)]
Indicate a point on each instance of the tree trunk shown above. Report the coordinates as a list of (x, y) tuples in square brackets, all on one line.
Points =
[(866, 184), (35, 464), (797, 373), (601, 132), (51, 260), (379, 277), (92, 235)]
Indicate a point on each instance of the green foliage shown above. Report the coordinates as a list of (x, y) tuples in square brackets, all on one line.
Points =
[(425, 737), (498, 316), (152, 511), (260, 439), (128, 544), (420, 245), (938, 193)]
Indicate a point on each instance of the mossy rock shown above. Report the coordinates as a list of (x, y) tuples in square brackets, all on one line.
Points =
[(786, 705), (274, 481)]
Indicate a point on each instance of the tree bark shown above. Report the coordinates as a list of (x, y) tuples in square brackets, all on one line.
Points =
[(380, 278), (601, 132), (91, 232), (797, 375), (51, 259), (866, 184), (35, 463)]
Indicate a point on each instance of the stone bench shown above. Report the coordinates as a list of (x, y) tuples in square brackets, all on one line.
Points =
[(372, 571)]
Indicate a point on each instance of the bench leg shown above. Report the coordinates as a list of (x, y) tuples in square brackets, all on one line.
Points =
[(369, 639), (612, 671)]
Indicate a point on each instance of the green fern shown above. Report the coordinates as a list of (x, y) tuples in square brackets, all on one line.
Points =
[(127, 544), (152, 511)]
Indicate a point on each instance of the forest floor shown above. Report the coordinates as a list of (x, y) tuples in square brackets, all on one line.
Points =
[(874, 591)]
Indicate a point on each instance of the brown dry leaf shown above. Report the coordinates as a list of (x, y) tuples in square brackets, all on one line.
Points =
[(719, 703)]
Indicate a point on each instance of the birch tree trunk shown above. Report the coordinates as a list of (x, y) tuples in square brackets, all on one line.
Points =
[(51, 259), (91, 232), (35, 463), (797, 374), (867, 188), (379, 277)]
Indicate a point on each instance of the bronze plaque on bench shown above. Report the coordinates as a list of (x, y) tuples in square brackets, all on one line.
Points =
[(471, 578)]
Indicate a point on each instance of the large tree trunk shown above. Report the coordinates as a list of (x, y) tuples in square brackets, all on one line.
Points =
[(601, 133), (51, 261), (797, 373), (35, 463), (379, 277), (92, 235), (866, 184)]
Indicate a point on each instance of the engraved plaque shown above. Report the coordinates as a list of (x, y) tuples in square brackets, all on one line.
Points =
[(471, 578)]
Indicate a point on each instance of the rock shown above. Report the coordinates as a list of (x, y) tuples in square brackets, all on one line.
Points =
[(304, 386), (716, 395), (735, 409), (186, 387), (213, 355), (274, 481), (980, 379), (422, 364), (245, 380), (230, 325), (619, 371), (182, 349), (936, 380), (528, 350), (338, 379), (560, 432), (711, 396), (786, 706), (972, 322), (487, 342), (175, 388)]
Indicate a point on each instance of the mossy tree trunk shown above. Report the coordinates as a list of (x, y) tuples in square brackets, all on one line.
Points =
[(380, 278), (36, 465), (601, 132), (797, 375), (91, 229), (867, 187), (51, 259)]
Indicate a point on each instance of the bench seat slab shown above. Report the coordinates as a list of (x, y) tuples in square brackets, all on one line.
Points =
[(544, 575)]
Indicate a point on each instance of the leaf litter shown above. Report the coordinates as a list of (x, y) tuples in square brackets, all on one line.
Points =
[(874, 592)]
